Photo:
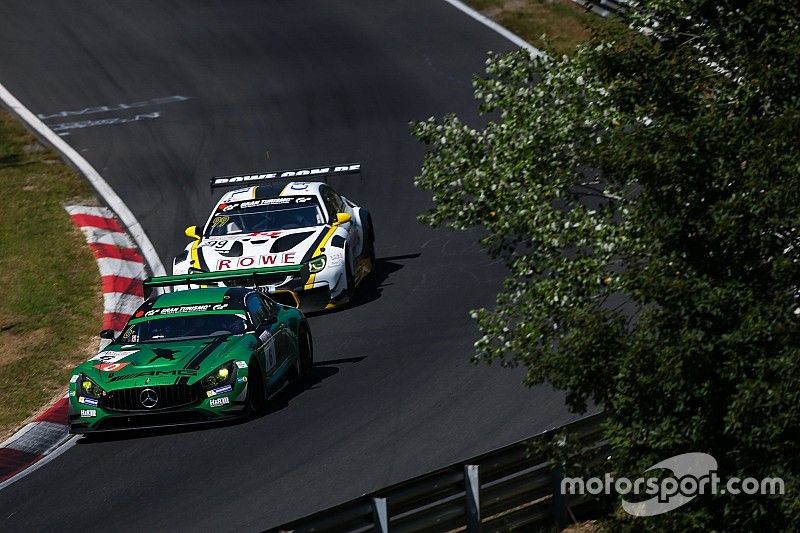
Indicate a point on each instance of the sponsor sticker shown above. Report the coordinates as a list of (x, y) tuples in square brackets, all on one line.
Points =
[(112, 356), (255, 261), (88, 413), (111, 367), (242, 379), (87, 401), (223, 389), (286, 174), (74, 378), (241, 364), (219, 402), (186, 309)]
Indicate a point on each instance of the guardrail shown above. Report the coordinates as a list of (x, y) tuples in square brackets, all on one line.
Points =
[(496, 491), (604, 8)]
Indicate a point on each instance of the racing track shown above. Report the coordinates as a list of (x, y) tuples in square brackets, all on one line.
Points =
[(298, 82)]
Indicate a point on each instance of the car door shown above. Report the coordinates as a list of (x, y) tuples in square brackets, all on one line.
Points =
[(266, 330), (335, 204), (283, 343)]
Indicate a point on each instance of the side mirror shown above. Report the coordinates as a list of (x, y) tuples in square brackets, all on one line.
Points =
[(191, 232), (107, 334), (343, 218)]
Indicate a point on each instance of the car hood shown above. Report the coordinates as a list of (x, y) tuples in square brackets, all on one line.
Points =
[(265, 249), (164, 363)]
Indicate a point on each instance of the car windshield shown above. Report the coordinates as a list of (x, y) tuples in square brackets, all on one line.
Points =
[(239, 218), (186, 326)]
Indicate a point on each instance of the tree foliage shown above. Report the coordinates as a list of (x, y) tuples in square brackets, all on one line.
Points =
[(645, 196)]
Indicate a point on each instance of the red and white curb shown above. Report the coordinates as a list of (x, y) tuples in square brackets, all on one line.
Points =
[(121, 267), (34, 442), (122, 271)]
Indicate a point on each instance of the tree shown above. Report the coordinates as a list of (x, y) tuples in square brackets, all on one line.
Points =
[(645, 197)]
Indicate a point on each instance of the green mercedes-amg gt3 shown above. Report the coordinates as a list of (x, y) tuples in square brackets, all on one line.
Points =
[(190, 357)]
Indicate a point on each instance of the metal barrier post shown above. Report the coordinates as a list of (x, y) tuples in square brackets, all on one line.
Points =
[(472, 485), (559, 498), (380, 515)]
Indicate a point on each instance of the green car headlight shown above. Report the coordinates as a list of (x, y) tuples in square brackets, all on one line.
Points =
[(317, 264), (224, 374), (88, 388)]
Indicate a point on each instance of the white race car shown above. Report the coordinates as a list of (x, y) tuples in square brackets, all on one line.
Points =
[(300, 241)]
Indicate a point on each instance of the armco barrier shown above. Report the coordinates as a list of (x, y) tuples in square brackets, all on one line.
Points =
[(497, 491), (604, 8)]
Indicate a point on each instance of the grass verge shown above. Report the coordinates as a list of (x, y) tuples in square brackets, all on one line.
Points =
[(50, 286), (554, 26)]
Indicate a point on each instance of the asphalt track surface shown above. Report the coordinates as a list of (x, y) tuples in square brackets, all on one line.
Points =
[(271, 85)]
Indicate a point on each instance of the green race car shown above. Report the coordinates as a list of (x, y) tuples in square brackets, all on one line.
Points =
[(202, 355)]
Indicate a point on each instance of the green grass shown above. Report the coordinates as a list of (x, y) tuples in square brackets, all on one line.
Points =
[(565, 24), (51, 303)]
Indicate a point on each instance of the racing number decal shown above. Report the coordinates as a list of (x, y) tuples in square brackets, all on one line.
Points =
[(269, 350), (220, 220)]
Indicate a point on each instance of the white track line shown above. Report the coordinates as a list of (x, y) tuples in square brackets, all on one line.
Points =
[(96, 180), (69, 443), (514, 38)]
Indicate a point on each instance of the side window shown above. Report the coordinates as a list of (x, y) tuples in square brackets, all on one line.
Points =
[(255, 308), (269, 306), (333, 203)]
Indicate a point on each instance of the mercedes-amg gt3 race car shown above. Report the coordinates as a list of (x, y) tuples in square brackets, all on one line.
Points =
[(191, 357), (324, 241)]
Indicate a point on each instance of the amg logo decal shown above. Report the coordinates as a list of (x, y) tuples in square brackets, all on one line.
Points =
[(155, 373)]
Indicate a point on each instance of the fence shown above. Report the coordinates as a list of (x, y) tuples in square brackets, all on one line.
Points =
[(498, 491)]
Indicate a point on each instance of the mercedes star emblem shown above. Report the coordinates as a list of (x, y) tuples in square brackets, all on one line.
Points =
[(149, 398)]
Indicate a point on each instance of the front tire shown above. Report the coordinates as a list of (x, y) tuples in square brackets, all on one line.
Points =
[(256, 401)]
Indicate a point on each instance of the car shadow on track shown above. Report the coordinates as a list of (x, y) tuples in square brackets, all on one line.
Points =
[(321, 371), (372, 286)]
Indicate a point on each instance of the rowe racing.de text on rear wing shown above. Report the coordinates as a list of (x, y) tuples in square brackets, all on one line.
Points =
[(298, 174)]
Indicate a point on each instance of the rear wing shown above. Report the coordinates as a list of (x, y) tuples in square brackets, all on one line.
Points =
[(244, 277), (304, 174)]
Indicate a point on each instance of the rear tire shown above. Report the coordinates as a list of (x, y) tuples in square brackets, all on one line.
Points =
[(305, 357), (349, 279), (370, 239), (256, 401)]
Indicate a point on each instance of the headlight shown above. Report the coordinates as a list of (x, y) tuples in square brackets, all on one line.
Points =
[(317, 264), (88, 388), (224, 374)]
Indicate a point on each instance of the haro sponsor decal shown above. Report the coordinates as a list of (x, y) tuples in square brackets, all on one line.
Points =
[(88, 413), (219, 402), (249, 261)]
